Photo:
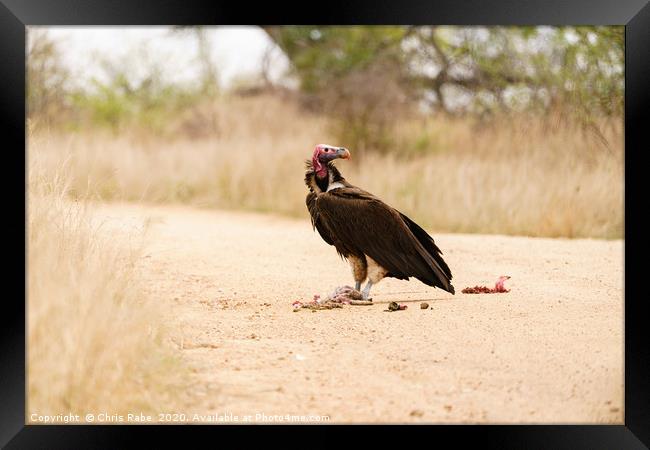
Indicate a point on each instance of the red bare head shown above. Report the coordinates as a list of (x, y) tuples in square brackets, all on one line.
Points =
[(323, 154)]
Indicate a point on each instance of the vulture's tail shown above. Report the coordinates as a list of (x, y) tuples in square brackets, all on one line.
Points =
[(435, 253)]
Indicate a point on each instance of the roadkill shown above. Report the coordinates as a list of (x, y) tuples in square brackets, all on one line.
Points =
[(342, 295)]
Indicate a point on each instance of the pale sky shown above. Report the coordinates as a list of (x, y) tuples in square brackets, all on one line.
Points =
[(237, 51)]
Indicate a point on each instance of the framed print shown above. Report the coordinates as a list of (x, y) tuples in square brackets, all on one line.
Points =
[(345, 215)]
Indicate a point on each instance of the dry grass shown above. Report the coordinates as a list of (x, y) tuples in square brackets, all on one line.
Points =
[(95, 342), (517, 175), (520, 178)]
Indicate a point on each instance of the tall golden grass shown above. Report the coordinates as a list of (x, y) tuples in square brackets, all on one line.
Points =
[(521, 175), (95, 342)]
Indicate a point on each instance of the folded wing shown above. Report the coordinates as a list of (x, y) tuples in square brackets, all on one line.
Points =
[(357, 221)]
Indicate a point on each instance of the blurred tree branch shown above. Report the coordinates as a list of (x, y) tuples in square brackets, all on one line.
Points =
[(209, 78)]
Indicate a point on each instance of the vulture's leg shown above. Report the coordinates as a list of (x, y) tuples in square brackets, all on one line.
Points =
[(366, 290), (375, 274), (359, 270)]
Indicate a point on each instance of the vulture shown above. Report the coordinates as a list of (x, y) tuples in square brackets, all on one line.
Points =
[(377, 240)]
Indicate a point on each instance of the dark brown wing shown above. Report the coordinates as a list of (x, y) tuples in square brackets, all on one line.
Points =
[(362, 221), (315, 220), (428, 244)]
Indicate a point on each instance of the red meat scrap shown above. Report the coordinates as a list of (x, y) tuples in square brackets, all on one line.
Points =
[(498, 287)]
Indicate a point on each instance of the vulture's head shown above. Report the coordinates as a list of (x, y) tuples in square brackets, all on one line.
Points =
[(323, 154)]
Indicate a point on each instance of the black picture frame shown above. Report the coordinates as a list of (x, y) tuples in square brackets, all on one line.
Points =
[(15, 15)]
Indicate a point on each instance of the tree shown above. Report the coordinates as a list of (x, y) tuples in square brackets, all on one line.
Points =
[(320, 55), (209, 73), (357, 72), (47, 78), (470, 69)]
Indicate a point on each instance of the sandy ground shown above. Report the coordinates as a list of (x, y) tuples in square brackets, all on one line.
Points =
[(550, 351)]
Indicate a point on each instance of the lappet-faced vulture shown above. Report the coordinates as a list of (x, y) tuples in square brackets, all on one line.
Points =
[(377, 240)]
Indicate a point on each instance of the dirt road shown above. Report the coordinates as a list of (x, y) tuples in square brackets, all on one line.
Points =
[(550, 351)]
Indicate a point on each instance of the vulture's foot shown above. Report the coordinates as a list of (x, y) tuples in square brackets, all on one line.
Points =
[(346, 294)]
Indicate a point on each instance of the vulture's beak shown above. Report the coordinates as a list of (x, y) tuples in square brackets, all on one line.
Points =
[(343, 153)]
